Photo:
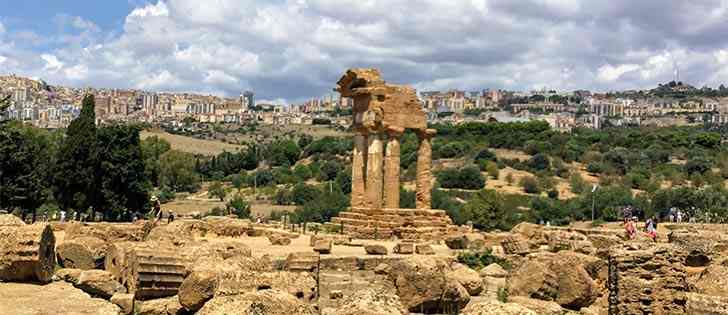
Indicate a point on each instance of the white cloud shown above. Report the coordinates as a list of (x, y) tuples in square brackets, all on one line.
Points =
[(82, 24), (609, 73), (150, 10), (77, 72), (296, 49), (2, 28), (52, 64), (3, 59)]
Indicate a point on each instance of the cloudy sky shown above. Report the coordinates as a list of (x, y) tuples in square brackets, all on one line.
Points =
[(290, 50)]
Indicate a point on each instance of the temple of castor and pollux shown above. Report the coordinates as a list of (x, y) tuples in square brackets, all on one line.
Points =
[(382, 112)]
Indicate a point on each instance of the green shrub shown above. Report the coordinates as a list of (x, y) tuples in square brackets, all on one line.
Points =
[(553, 194), (485, 155), (578, 185), (239, 207), (481, 259), (466, 178), (492, 169), (165, 195), (530, 185), (595, 167), (503, 295)]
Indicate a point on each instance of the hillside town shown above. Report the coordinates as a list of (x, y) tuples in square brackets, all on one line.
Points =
[(672, 104)]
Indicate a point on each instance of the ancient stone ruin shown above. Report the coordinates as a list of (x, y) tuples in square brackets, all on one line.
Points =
[(382, 112)]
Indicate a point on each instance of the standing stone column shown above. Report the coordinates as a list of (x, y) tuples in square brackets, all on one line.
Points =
[(391, 169), (374, 170), (358, 169), (424, 169)]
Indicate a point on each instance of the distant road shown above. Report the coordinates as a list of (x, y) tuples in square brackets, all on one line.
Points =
[(192, 145)]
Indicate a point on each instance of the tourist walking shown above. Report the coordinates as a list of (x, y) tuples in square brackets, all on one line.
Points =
[(156, 209), (651, 229)]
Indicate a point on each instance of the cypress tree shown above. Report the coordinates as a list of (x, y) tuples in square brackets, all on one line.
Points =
[(76, 170)]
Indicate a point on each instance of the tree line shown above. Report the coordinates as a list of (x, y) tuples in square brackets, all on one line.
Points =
[(87, 169)]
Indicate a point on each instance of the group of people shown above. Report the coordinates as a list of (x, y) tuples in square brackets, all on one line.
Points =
[(679, 216), (158, 213), (630, 225)]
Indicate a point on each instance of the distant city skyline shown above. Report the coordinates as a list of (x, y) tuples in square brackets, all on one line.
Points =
[(288, 51)]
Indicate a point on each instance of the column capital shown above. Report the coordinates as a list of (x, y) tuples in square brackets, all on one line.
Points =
[(426, 133), (395, 131)]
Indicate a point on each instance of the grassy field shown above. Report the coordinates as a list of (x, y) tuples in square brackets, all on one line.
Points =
[(192, 145)]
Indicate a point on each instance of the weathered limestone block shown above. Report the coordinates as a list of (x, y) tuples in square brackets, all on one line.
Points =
[(264, 302), (699, 304), (649, 280), (375, 249), (459, 241), (302, 261), (68, 275), (276, 239), (99, 283), (403, 248), (369, 302), (713, 280), (496, 308), (424, 249), (27, 253), (494, 279), (82, 253), (10, 220), (198, 288), (534, 279), (180, 229), (422, 287), (538, 306), (193, 251), (124, 301), (468, 278), (323, 246), (148, 270), (116, 232), (164, 306), (516, 245)]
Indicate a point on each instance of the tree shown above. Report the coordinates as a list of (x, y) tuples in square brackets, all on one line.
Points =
[(25, 161), (486, 212), (122, 184), (217, 190), (75, 171), (485, 154), (177, 171), (283, 152), (237, 181), (329, 170), (4, 105), (323, 208), (302, 172), (530, 185), (578, 185), (539, 162), (302, 193), (239, 206), (466, 178), (698, 164), (152, 149)]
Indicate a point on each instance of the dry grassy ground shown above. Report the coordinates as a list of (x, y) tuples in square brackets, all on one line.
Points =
[(192, 145)]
